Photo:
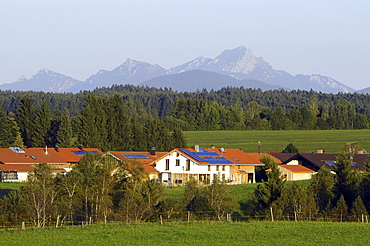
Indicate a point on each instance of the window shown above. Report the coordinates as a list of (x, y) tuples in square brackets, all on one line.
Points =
[(215, 176), (187, 165), (223, 168), (217, 168), (209, 167), (177, 162), (223, 177), (167, 164)]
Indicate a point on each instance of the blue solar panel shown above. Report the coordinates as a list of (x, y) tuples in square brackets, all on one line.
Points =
[(209, 157), (84, 152), (207, 153), (331, 163), (226, 161), (135, 156)]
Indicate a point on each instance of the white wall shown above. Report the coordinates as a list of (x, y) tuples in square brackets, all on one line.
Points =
[(194, 168)]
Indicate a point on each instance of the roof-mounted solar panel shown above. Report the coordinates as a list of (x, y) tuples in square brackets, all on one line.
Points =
[(84, 152), (17, 150), (133, 156), (206, 153)]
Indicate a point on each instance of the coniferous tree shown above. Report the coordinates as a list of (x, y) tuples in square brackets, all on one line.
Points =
[(8, 130), (266, 194), (56, 119), (92, 130), (290, 148), (16, 134), (358, 211), (64, 135), (346, 180), (322, 185), (118, 124), (179, 140), (26, 114), (340, 211), (42, 126), (157, 134)]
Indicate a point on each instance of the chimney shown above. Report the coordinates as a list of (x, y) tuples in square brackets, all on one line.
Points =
[(222, 150), (152, 151), (360, 152), (320, 151), (56, 148), (196, 148), (46, 150), (81, 147), (213, 146)]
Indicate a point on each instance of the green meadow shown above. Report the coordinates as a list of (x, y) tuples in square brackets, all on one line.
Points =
[(274, 141), (194, 233)]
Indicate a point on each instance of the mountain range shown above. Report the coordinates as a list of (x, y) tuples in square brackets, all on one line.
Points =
[(236, 67)]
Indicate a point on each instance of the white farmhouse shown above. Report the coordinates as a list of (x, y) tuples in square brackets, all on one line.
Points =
[(205, 165)]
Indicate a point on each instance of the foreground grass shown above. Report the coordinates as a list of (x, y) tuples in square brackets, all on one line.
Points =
[(195, 233), (274, 141), (11, 185)]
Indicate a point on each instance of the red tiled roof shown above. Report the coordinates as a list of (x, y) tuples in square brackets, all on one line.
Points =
[(69, 155), (16, 167), (30, 156), (297, 168), (150, 169), (148, 160)]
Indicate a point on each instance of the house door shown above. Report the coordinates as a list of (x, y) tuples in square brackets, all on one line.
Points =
[(166, 178), (250, 177)]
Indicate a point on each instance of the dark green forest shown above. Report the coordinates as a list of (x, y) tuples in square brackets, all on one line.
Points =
[(126, 117)]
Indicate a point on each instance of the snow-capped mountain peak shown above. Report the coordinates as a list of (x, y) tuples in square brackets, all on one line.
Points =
[(239, 63)]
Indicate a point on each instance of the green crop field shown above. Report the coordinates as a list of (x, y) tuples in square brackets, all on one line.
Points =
[(195, 233), (274, 141)]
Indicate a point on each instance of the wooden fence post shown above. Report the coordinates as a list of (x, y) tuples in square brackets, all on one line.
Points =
[(272, 214), (56, 225)]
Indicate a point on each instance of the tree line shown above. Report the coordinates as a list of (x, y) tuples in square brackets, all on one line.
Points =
[(137, 118), (101, 188), (230, 108), (340, 195), (104, 123)]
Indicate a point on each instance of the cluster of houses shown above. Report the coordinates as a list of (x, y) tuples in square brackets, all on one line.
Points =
[(175, 167)]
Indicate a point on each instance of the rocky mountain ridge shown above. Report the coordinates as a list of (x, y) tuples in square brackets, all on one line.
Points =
[(239, 64)]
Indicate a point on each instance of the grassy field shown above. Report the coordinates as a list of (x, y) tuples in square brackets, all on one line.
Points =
[(195, 233), (274, 141), (11, 185), (6, 187), (240, 192)]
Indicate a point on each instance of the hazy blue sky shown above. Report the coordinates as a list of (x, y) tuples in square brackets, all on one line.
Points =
[(78, 38)]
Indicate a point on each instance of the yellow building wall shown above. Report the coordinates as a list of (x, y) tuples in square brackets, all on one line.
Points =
[(242, 178), (302, 176)]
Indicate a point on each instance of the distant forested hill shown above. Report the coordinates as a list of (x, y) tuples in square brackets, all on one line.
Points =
[(159, 101)]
